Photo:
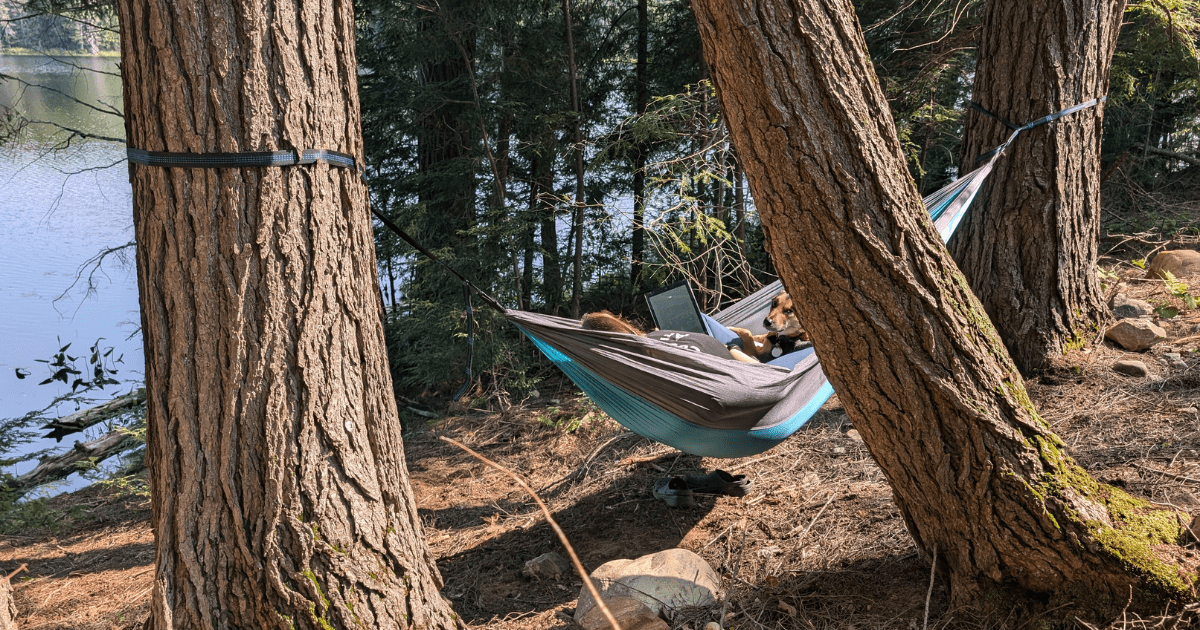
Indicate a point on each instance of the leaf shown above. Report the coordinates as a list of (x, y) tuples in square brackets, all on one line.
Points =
[(64, 348), (1167, 312), (1139, 263), (22, 373), (47, 381), (787, 608), (1190, 300)]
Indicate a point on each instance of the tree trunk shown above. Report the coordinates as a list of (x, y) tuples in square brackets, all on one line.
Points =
[(1029, 244), (280, 497), (976, 473), (552, 288), (577, 223), (446, 155), (637, 249)]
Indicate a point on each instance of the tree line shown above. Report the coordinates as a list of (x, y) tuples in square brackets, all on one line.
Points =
[(573, 174)]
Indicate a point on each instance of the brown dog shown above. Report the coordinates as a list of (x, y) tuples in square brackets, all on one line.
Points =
[(783, 330)]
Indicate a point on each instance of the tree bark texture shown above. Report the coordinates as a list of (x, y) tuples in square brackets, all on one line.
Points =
[(280, 497), (976, 473), (1028, 246)]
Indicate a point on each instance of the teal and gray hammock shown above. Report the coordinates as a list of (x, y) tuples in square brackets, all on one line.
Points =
[(702, 403)]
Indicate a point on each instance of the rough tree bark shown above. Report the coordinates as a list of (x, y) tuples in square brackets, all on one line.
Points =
[(976, 473), (1029, 244), (280, 497)]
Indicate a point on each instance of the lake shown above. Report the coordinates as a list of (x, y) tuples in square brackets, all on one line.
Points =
[(58, 210)]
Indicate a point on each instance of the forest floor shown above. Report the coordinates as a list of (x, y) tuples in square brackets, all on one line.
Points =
[(819, 542)]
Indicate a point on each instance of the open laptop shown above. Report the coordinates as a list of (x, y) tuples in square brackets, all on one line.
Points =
[(674, 308)]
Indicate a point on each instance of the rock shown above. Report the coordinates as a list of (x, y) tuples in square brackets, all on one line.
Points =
[(853, 435), (663, 581), (1174, 361), (1135, 335), (548, 565), (1180, 262), (8, 609), (1128, 308), (629, 612), (1132, 368), (712, 625)]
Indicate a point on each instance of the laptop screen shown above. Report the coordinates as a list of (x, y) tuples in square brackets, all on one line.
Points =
[(674, 308)]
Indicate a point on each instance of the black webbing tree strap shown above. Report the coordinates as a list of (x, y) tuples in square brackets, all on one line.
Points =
[(1041, 121), (297, 157), (294, 157)]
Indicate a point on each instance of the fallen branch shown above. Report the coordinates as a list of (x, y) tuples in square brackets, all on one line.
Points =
[(587, 581), (1174, 155), (81, 420), (1165, 473), (61, 466)]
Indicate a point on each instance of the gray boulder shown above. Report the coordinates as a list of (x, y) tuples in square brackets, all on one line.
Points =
[(1135, 335), (665, 581), (1128, 308), (548, 565), (1131, 368)]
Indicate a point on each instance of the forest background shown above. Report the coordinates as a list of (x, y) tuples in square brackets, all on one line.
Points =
[(572, 174)]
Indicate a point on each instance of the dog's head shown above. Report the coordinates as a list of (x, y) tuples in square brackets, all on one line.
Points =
[(782, 318)]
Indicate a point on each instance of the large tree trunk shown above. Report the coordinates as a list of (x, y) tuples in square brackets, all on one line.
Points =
[(280, 497), (976, 473), (1028, 245)]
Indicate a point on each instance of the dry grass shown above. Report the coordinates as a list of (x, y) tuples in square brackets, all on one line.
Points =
[(819, 544)]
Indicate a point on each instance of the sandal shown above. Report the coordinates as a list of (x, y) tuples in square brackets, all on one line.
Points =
[(719, 482), (674, 491)]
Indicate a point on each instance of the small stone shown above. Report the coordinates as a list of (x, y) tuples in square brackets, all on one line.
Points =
[(839, 450), (533, 393), (853, 435), (1128, 308), (548, 565), (712, 625), (1135, 335), (1132, 368), (630, 613), (1181, 263)]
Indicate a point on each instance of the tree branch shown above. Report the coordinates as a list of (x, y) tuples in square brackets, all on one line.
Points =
[(81, 420), (61, 466), (1182, 157)]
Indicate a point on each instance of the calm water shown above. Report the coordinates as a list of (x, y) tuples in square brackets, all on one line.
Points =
[(58, 209)]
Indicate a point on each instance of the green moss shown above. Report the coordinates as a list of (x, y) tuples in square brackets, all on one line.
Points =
[(1141, 526), (312, 577)]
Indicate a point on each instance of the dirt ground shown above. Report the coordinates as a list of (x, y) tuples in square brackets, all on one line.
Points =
[(817, 544)]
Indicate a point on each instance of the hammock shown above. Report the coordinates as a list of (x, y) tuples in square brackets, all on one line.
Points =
[(701, 403)]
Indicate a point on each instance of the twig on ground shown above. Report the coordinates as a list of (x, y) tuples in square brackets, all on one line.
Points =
[(754, 461), (814, 519), (587, 582), (581, 469), (12, 575), (1165, 473), (929, 593)]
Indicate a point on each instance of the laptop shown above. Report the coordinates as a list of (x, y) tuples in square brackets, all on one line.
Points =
[(674, 308)]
